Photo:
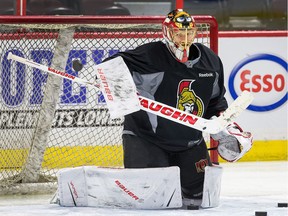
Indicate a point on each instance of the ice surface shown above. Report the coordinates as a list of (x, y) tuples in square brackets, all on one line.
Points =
[(246, 188)]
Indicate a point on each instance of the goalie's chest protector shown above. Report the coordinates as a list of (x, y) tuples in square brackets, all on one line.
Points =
[(188, 87)]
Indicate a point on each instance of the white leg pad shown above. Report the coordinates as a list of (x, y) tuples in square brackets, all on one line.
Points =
[(150, 188), (212, 186)]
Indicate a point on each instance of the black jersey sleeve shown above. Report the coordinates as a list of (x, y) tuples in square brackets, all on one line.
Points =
[(218, 102)]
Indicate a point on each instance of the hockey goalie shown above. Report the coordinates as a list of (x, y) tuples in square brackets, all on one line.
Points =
[(166, 165)]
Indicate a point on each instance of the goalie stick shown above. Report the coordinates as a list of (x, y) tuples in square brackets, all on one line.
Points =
[(120, 93), (211, 126)]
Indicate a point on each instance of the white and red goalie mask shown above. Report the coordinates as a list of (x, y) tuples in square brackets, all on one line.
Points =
[(179, 31)]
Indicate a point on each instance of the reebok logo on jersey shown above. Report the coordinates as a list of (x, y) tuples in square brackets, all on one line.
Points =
[(206, 75)]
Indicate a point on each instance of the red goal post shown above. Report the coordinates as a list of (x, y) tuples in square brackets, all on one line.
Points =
[(47, 123)]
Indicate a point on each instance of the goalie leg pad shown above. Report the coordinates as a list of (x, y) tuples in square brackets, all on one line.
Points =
[(149, 188), (212, 186)]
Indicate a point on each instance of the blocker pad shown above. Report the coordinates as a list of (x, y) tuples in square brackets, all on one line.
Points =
[(117, 87)]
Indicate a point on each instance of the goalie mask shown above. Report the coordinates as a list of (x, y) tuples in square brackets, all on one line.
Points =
[(179, 31)]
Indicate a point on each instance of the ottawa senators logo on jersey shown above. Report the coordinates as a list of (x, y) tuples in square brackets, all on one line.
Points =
[(187, 100)]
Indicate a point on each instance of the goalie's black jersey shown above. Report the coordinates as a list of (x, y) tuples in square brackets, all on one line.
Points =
[(196, 87)]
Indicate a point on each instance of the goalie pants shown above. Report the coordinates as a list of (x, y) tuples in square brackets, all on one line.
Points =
[(139, 153)]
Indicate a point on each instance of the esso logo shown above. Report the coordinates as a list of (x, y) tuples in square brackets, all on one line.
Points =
[(264, 75)]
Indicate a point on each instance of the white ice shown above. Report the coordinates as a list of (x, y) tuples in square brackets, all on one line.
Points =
[(247, 187)]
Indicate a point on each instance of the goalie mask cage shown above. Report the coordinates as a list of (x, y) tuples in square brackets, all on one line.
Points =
[(47, 123)]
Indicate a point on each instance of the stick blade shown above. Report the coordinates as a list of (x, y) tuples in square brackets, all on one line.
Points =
[(117, 87)]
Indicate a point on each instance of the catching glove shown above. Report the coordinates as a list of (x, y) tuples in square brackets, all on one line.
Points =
[(233, 142)]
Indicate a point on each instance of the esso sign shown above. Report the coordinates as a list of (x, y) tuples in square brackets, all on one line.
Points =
[(264, 75), (265, 83)]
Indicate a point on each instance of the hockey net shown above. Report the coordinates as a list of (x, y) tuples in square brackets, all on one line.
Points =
[(47, 123)]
